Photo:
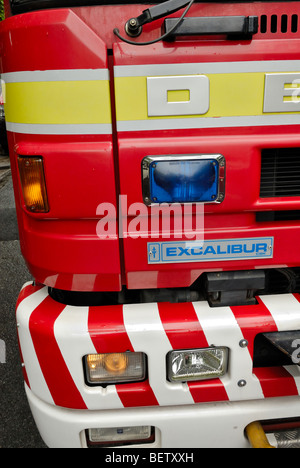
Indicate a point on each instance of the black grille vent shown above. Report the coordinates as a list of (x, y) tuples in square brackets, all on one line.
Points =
[(279, 24), (280, 173)]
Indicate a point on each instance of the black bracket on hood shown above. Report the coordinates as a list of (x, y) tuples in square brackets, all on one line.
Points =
[(242, 27), (134, 26)]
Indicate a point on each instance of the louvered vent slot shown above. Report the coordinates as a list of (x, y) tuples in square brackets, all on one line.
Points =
[(280, 173), (279, 24)]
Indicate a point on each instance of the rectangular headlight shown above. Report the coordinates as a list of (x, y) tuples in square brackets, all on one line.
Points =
[(183, 179), (111, 368), (197, 364)]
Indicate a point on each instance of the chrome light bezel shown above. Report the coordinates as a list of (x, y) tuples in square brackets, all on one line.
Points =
[(146, 163), (197, 376), (116, 379)]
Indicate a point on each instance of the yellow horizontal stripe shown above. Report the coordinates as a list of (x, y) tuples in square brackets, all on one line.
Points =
[(231, 95), (58, 102)]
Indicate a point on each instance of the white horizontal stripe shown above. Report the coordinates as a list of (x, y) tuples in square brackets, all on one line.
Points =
[(208, 122), (60, 129), (56, 75), (207, 68), (147, 334), (221, 329)]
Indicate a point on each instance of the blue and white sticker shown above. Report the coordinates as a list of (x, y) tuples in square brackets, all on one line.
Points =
[(210, 250)]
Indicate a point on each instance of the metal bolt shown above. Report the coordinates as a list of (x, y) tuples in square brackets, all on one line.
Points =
[(242, 383), (243, 343), (133, 22), (132, 27)]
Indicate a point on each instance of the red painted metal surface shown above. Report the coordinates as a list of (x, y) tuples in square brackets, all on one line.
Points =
[(62, 248)]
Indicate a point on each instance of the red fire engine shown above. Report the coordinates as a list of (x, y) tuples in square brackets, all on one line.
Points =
[(155, 154)]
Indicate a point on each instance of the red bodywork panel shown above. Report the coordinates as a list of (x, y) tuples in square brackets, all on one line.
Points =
[(62, 248)]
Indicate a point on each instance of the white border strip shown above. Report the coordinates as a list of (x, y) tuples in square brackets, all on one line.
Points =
[(208, 122), (60, 129), (56, 75), (287, 66)]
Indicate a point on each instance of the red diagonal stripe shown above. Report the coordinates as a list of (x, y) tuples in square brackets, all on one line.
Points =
[(184, 331), (297, 296), (107, 330), (182, 326), (276, 382), (56, 373), (136, 394), (108, 334), (253, 320), (209, 390), (26, 292)]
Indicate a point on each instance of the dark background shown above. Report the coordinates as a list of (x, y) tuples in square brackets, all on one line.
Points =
[(17, 427)]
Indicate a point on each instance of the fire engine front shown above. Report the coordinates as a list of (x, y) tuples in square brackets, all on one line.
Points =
[(155, 154)]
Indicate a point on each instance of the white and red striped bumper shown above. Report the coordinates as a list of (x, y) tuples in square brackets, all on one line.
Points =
[(54, 338)]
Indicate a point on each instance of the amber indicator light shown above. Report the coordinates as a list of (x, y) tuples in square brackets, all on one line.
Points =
[(33, 184)]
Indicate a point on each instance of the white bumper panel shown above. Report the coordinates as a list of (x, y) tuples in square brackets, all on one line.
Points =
[(210, 425)]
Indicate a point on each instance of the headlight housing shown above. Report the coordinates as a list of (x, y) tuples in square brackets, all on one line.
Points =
[(112, 368), (197, 364)]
